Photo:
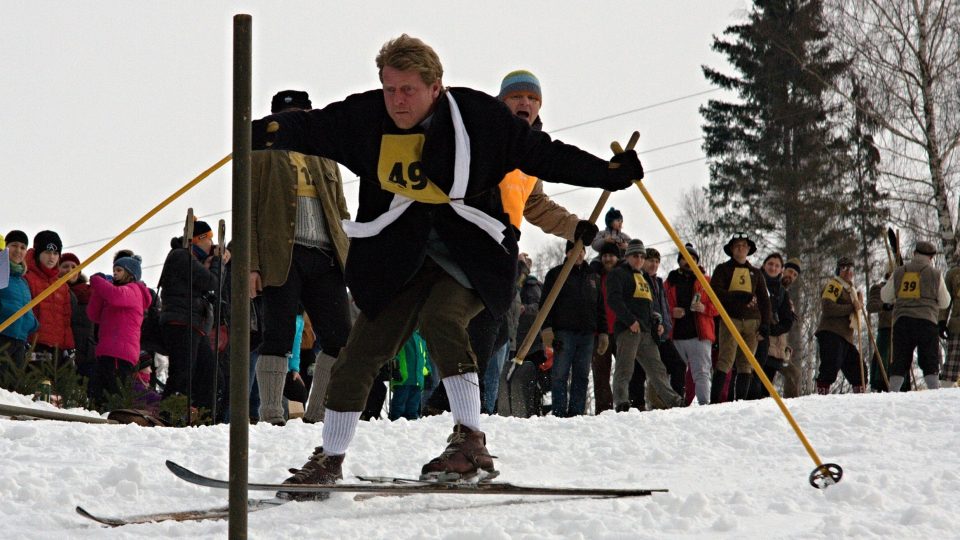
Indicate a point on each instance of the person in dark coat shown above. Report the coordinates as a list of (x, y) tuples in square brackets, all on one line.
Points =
[(83, 336), (183, 306), (578, 318), (432, 244), (638, 329)]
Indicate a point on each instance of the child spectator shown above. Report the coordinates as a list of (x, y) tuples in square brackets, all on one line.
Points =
[(118, 308), (407, 380), (54, 312)]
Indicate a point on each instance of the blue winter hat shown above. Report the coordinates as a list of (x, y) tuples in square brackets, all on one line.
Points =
[(612, 215), (520, 80), (131, 265)]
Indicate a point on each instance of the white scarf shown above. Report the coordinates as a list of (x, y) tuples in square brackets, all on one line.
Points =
[(461, 176)]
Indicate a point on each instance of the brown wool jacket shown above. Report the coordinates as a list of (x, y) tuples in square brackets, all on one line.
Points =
[(837, 309), (875, 305), (273, 212), (953, 285)]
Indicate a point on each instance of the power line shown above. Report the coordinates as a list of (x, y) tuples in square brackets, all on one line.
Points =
[(631, 111), (147, 229)]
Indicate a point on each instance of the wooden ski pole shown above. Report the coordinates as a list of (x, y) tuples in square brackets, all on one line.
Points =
[(187, 245), (218, 318), (561, 279), (825, 474)]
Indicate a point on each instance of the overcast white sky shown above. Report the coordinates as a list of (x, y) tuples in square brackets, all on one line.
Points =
[(110, 106)]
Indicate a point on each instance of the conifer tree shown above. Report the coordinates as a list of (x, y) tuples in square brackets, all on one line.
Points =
[(777, 155)]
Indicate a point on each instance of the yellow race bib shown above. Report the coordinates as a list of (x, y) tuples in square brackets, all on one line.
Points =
[(741, 282), (909, 285), (832, 291), (306, 184), (400, 170), (642, 289)]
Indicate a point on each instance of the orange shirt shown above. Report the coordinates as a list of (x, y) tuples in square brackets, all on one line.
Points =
[(515, 189)]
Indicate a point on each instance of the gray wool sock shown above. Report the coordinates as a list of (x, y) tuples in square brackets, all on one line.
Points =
[(933, 381), (271, 374), (896, 382), (338, 431), (318, 389)]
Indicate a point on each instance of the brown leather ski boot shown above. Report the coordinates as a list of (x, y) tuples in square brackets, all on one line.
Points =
[(465, 459), (319, 469)]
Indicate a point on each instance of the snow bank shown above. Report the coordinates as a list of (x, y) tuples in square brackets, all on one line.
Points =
[(733, 470)]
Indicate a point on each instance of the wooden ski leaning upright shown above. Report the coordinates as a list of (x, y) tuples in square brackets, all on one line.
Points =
[(218, 317), (187, 238)]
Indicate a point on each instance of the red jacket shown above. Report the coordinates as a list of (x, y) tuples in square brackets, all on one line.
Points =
[(119, 312), (54, 311), (704, 321)]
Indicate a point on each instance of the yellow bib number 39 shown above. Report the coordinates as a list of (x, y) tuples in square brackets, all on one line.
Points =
[(909, 285), (400, 170)]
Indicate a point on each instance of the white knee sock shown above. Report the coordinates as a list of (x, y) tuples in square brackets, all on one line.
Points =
[(318, 389), (463, 391), (338, 430), (271, 374)]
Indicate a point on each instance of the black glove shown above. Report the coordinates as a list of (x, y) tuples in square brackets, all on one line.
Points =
[(887, 307), (260, 139), (294, 389), (942, 326), (281, 131), (585, 231), (625, 169), (764, 331)]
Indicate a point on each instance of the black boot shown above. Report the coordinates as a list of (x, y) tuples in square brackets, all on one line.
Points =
[(741, 388), (716, 387)]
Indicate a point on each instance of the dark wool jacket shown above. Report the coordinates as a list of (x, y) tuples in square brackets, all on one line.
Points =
[(83, 336), (736, 302), (174, 288), (780, 305), (579, 306), (350, 133), (530, 293), (621, 290)]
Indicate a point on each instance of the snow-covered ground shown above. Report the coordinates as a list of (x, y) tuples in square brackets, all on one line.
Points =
[(733, 470)]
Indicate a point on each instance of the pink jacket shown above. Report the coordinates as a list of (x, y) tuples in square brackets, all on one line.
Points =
[(119, 312)]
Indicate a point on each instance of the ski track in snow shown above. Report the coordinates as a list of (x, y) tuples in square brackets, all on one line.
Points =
[(734, 471)]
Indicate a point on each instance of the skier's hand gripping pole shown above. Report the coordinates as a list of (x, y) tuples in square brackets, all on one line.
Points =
[(824, 474), (562, 278)]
